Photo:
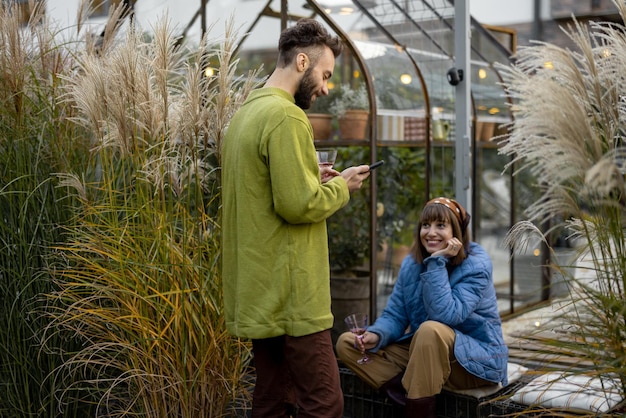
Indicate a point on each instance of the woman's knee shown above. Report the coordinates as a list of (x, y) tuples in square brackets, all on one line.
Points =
[(433, 332)]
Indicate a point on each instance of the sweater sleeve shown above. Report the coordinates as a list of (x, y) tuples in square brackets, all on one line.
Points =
[(299, 196), (394, 320)]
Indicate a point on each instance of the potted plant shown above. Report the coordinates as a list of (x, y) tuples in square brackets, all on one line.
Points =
[(351, 106), (321, 124), (321, 119)]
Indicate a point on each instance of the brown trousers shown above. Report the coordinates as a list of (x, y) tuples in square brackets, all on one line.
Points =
[(428, 362), (296, 370)]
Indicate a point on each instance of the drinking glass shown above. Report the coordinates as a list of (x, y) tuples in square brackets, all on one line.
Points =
[(357, 324), (326, 156)]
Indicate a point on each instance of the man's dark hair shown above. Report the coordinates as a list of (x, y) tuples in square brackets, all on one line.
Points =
[(307, 35)]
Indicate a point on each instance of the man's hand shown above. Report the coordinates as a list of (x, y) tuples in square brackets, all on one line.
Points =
[(355, 176), (328, 173)]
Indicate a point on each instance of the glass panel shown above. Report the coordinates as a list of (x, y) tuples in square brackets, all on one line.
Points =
[(400, 183), (396, 82), (492, 217), (528, 266)]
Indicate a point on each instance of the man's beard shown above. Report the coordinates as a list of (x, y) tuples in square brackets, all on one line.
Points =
[(305, 90)]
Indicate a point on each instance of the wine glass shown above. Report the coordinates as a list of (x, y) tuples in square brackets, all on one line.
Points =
[(326, 156), (357, 324)]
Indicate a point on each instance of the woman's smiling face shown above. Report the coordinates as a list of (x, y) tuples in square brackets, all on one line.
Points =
[(435, 235)]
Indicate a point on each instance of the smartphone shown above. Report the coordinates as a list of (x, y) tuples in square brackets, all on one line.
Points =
[(376, 164)]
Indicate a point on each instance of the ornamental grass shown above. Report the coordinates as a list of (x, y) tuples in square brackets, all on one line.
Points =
[(37, 139), (111, 282), (568, 133)]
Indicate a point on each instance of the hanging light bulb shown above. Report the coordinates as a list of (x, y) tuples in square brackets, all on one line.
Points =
[(406, 79), (482, 74)]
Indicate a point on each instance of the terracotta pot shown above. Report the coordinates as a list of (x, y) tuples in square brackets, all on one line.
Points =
[(353, 124), (321, 124)]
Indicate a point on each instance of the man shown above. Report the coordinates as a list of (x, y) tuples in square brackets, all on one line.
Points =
[(276, 200)]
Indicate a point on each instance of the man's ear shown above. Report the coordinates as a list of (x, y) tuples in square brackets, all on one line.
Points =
[(302, 62)]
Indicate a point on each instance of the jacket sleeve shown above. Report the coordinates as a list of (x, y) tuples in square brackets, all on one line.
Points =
[(394, 320), (451, 300)]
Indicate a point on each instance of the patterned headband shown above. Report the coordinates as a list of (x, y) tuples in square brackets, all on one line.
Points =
[(460, 212)]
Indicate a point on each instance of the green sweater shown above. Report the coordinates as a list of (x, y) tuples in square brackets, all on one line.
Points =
[(275, 247)]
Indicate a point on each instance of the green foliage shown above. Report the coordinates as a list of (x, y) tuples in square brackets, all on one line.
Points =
[(569, 134), (322, 104), (401, 186), (349, 228)]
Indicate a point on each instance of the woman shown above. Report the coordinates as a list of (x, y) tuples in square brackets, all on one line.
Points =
[(441, 324)]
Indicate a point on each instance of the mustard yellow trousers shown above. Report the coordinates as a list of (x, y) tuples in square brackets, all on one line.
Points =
[(428, 362)]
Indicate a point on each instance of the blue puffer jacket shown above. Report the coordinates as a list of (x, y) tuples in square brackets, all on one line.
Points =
[(464, 299)]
